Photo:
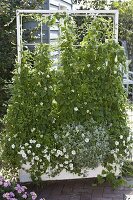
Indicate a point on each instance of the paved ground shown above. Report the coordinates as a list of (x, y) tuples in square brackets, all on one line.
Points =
[(85, 189)]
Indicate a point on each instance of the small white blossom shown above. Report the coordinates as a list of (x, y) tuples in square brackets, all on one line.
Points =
[(71, 166), (83, 134), (24, 155), (121, 137), (9, 139), (45, 88), (61, 165), (38, 145), (66, 162), (116, 143), (76, 109), (85, 103), (88, 65), (13, 146), (26, 144), (48, 76), (87, 111), (86, 140), (33, 141), (36, 158), (112, 151), (72, 90), (73, 152), (39, 84), (29, 151), (41, 104), (64, 150)]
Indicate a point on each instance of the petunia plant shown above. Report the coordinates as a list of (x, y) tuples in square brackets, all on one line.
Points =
[(72, 117), (14, 191)]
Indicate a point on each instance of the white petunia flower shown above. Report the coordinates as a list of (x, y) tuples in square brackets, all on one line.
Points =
[(121, 137), (86, 140), (13, 146), (33, 141), (38, 145), (116, 143), (64, 150), (71, 166), (73, 152), (29, 151), (36, 158), (76, 109), (24, 155), (66, 162), (39, 84)]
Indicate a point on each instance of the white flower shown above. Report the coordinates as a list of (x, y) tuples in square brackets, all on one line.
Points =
[(24, 155), (66, 162), (26, 144), (61, 165), (33, 141), (45, 88), (121, 137), (87, 111), (86, 140), (41, 136), (33, 129), (72, 90), (9, 139), (112, 151), (73, 152), (41, 104), (85, 103), (38, 145), (64, 150), (48, 76), (39, 84), (29, 151), (76, 109), (88, 65), (13, 146), (30, 147), (116, 143), (33, 154), (71, 166), (36, 158)]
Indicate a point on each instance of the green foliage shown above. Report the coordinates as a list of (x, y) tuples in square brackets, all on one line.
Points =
[(73, 117), (8, 45)]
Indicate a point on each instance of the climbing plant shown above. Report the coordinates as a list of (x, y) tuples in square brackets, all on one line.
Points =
[(72, 117)]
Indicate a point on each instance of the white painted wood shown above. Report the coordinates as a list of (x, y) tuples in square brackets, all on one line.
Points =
[(64, 175)]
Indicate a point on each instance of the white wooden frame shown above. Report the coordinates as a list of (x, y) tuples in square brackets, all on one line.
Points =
[(25, 177), (20, 13)]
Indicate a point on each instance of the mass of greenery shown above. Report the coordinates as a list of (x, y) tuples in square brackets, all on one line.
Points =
[(56, 117)]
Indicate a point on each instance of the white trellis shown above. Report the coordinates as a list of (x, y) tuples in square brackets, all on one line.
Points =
[(24, 177), (20, 13)]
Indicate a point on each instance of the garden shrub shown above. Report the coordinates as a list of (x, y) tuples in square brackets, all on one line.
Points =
[(73, 117)]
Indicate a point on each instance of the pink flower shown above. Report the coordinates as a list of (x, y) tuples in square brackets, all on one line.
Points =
[(34, 196), (24, 196), (7, 183)]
